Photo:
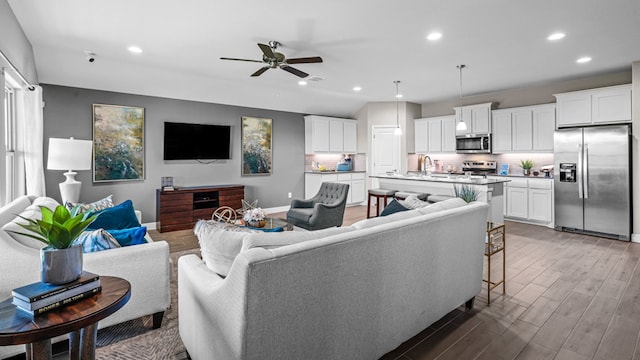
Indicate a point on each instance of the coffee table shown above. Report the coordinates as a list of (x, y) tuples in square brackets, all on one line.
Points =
[(79, 319)]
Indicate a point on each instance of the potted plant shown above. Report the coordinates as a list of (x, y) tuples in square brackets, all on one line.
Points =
[(255, 217), (526, 166), (61, 259), (466, 192)]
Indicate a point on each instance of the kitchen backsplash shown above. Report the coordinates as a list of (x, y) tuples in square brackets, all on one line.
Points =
[(329, 161), (455, 160)]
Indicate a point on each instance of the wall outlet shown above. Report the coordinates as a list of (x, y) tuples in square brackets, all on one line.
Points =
[(289, 195)]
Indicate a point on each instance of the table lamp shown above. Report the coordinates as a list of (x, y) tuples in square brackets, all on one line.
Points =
[(69, 154)]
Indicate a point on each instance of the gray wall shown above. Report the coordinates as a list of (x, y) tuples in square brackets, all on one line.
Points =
[(15, 45), (68, 112)]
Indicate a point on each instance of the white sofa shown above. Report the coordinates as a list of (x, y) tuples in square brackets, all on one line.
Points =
[(356, 293), (145, 266)]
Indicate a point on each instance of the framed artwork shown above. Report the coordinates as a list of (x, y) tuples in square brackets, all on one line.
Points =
[(256, 146), (118, 143)]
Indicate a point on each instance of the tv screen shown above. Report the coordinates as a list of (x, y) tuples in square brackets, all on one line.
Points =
[(196, 142)]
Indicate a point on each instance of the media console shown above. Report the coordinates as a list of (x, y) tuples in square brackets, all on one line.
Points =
[(180, 209)]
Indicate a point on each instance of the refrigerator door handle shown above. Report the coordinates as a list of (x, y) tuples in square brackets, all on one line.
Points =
[(585, 179), (579, 172)]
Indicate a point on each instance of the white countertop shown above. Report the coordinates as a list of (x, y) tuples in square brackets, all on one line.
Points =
[(454, 179)]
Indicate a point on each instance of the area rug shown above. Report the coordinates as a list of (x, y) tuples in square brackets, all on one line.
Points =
[(136, 339)]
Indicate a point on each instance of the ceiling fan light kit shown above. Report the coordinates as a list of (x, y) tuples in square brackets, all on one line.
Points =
[(273, 60)]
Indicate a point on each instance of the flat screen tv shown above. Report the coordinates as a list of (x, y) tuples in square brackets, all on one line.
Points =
[(196, 141)]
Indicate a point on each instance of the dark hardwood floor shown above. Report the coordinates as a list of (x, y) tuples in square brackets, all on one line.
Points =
[(568, 296)]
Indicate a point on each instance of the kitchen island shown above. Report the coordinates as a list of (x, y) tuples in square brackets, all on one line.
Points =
[(489, 190)]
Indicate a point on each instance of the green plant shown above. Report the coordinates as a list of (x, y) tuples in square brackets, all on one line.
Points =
[(58, 229), (526, 164), (465, 192)]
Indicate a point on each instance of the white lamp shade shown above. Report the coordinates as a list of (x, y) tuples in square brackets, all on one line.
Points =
[(69, 154), (462, 126)]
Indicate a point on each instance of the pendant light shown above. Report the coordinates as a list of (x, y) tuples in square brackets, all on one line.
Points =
[(397, 130), (461, 126)]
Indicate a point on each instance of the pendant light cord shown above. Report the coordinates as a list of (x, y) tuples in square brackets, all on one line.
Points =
[(397, 108)]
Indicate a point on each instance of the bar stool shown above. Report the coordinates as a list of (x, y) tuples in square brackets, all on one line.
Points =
[(402, 195), (378, 194)]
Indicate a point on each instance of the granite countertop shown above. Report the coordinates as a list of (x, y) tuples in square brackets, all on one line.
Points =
[(454, 179)]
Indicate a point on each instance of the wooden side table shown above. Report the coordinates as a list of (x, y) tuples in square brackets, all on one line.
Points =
[(495, 243), (79, 319)]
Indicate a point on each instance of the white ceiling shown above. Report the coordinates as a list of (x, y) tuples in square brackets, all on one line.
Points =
[(369, 43)]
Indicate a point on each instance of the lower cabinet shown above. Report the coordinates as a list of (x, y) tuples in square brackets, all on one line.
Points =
[(355, 180), (530, 200)]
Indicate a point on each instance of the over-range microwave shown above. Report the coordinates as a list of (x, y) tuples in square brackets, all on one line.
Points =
[(473, 144)]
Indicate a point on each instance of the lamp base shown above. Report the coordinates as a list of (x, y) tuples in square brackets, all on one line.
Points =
[(70, 189)]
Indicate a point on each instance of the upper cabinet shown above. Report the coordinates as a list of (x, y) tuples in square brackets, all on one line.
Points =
[(330, 135), (435, 135), (524, 129), (477, 117), (595, 106)]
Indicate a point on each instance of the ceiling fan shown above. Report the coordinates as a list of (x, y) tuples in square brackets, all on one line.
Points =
[(274, 59)]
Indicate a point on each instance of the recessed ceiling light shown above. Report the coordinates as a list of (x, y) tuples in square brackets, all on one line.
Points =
[(584, 59), (135, 49), (399, 96), (302, 83), (556, 36), (434, 36), (357, 88)]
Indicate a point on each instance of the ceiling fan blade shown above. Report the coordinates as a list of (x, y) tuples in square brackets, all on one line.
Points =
[(305, 60), (266, 49), (260, 71), (226, 58), (294, 71)]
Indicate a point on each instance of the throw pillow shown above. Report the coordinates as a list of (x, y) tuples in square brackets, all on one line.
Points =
[(30, 212), (392, 208), (128, 237), (121, 216), (220, 243), (412, 202), (96, 240), (101, 204)]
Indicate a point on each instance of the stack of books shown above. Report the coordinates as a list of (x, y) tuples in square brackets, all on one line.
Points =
[(39, 297)]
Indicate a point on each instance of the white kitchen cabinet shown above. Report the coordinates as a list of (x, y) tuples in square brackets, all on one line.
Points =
[(501, 134), (350, 136), (610, 104), (530, 200), (477, 117), (330, 135), (435, 135), (356, 195), (544, 125), (523, 129)]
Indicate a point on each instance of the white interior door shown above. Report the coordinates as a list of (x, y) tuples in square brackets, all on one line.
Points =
[(385, 147)]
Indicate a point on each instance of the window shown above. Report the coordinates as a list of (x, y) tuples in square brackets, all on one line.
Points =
[(7, 155)]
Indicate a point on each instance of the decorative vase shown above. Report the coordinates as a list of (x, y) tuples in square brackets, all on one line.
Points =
[(60, 266), (526, 172), (257, 223)]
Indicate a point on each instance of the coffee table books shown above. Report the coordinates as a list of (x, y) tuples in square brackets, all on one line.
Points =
[(37, 298)]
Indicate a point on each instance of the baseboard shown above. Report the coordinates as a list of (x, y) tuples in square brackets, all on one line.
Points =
[(277, 209), (150, 226), (635, 238)]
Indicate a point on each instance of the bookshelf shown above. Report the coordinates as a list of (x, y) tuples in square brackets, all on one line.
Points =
[(180, 209)]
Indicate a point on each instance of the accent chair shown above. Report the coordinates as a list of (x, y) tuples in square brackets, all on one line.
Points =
[(324, 210)]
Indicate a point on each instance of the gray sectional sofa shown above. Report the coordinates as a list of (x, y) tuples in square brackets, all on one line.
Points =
[(355, 292)]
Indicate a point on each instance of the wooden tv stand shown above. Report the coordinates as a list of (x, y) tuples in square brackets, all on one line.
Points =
[(180, 209)]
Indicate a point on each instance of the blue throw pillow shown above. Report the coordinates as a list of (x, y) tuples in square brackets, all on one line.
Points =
[(96, 240), (128, 237), (392, 208), (121, 216)]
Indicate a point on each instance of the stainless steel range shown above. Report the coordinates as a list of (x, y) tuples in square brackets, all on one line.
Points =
[(481, 167)]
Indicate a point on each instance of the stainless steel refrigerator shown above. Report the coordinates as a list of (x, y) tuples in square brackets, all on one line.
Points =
[(592, 180)]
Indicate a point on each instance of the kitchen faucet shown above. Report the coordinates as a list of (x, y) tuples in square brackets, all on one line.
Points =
[(424, 168)]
